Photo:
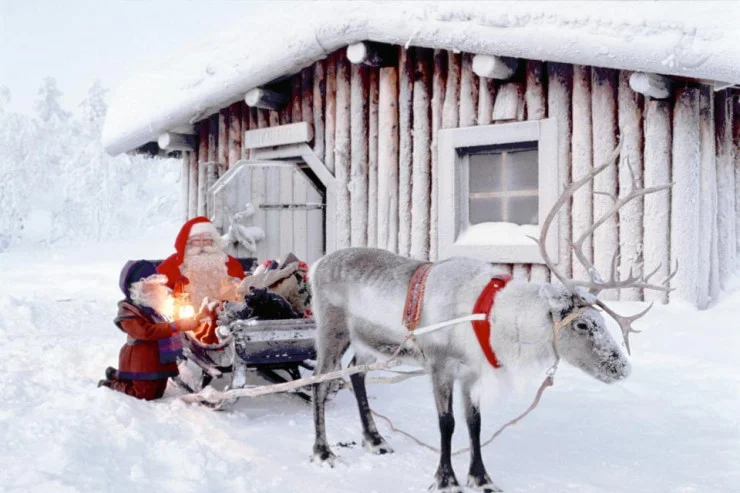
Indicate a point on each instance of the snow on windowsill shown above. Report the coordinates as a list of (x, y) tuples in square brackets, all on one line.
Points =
[(498, 233)]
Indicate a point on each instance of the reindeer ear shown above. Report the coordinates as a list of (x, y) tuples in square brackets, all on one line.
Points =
[(558, 298)]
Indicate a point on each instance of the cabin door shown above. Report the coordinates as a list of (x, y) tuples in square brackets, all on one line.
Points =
[(284, 199)]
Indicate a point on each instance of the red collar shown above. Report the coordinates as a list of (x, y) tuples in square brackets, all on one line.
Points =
[(484, 305)]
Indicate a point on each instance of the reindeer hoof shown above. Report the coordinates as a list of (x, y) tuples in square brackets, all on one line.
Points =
[(483, 484), (446, 489), (376, 445), (323, 455)]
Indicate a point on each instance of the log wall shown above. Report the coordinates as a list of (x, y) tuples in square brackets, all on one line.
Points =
[(375, 128)]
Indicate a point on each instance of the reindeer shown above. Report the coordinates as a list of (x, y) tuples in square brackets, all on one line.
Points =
[(359, 296)]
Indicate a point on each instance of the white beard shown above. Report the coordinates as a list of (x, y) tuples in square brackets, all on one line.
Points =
[(153, 292), (205, 268)]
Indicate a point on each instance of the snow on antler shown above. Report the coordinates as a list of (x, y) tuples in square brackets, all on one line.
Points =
[(596, 282)]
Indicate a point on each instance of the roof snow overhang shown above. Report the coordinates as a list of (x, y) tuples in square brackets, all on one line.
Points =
[(697, 40)]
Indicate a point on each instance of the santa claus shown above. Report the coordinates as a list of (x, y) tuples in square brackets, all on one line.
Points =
[(200, 268)]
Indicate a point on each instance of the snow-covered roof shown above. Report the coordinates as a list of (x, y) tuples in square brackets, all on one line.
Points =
[(693, 39)]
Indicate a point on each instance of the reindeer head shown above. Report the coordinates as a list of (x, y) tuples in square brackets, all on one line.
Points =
[(581, 336)]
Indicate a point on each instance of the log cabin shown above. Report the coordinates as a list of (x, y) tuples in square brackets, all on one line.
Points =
[(440, 129)]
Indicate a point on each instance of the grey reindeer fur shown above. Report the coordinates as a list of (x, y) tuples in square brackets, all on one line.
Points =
[(359, 296)]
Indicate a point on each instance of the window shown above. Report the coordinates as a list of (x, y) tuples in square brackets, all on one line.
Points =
[(497, 183)]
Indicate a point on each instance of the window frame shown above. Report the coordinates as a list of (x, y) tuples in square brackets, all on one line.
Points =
[(454, 147)]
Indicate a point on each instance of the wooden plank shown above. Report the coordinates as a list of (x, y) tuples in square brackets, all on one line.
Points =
[(300, 217), (582, 156), (536, 109), (630, 106), (727, 248), (685, 218), (468, 92), (274, 226), (604, 127), (438, 93), (359, 155), (657, 206), (388, 159), (708, 279), (296, 101), (405, 94), (421, 157), (330, 111), (291, 133), (372, 166), (258, 196), (342, 154), (204, 130), (315, 227), (318, 98), (559, 95), (235, 135)]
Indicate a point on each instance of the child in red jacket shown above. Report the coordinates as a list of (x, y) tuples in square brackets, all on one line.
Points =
[(149, 356)]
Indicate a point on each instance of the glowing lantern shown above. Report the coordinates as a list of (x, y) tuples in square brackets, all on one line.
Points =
[(186, 311)]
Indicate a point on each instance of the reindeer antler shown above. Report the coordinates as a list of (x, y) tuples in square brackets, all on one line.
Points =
[(596, 283)]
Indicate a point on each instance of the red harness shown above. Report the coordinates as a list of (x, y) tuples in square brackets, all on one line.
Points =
[(484, 305)]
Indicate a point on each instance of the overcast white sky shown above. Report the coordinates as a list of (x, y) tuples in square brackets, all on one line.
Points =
[(78, 41)]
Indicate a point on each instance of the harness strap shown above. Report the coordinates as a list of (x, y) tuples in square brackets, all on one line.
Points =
[(484, 305), (415, 296)]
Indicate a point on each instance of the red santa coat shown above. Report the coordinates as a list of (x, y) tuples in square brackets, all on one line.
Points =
[(171, 266)]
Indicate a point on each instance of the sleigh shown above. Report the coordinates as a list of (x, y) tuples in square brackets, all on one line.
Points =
[(273, 350)]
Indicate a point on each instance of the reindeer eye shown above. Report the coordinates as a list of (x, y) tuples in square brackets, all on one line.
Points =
[(581, 326)]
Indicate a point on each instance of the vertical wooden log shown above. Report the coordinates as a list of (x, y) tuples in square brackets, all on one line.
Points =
[(331, 111), (296, 99), (249, 122), (203, 154), (319, 96), (486, 97), (604, 118), (422, 159), (224, 122), (185, 184), (438, 92), (657, 217), (388, 159), (630, 105), (723, 117), (685, 207), (359, 155), (405, 94), (263, 118), (306, 96), (559, 94), (235, 135), (193, 184), (372, 168), (582, 155), (342, 152), (450, 111), (468, 92), (536, 109), (708, 279)]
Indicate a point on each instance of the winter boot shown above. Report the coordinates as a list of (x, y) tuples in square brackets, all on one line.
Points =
[(105, 383), (111, 373)]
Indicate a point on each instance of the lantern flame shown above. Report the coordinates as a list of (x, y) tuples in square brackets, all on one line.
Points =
[(186, 311)]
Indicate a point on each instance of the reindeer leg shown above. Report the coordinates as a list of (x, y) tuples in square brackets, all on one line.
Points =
[(332, 340), (478, 478), (443, 383), (371, 439)]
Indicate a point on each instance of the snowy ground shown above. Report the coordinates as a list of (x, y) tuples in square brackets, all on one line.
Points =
[(673, 426)]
